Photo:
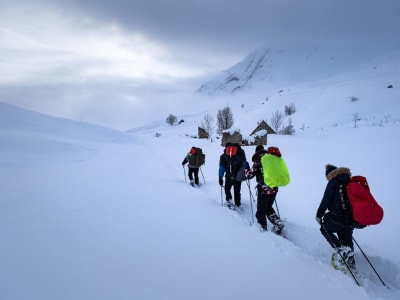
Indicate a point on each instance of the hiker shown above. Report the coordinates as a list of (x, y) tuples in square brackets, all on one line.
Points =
[(335, 216), (265, 195), (195, 159), (231, 162)]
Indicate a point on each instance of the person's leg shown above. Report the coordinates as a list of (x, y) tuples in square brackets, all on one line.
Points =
[(328, 228), (228, 186), (261, 213), (271, 214), (347, 249), (190, 174), (237, 185), (346, 237), (196, 175)]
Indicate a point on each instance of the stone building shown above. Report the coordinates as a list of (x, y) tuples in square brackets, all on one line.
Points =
[(201, 132), (235, 137)]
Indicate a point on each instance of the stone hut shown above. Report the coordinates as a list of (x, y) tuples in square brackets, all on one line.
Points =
[(201, 132), (259, 134), (235, 137), (263, 126)]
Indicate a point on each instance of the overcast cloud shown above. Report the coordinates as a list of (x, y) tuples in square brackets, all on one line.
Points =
[(121, 47)]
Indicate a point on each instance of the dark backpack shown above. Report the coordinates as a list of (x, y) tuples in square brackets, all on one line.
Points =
[(197, 157), (365, 210)]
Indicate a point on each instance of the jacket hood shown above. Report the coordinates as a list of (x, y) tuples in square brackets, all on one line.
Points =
[(338, 171)]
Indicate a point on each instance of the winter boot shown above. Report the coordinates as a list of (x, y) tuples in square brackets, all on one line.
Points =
[(347, 255), (278, 225), (229, 203)]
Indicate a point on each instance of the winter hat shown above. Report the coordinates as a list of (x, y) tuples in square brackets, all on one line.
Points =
[(259, 147), (329, 168)]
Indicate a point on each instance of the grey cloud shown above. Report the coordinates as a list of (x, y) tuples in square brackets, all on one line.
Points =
[(228, 25)]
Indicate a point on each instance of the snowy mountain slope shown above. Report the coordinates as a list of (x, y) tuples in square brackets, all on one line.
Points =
[(268, 68), (122, 224), (361, 95), (16, 119), (41, 139)]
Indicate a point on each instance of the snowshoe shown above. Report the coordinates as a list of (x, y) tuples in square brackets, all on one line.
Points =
[(337, 263), (350, 270)]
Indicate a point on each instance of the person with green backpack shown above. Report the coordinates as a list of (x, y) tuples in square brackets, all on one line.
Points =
[(270, 172)]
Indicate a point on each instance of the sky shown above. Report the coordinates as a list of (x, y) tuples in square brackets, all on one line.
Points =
[(101, 61)]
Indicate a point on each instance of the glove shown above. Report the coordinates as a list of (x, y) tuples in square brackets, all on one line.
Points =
[(268, 190), (221, 182), (318, 220), (246, 165), (183, 164), (248, 173)]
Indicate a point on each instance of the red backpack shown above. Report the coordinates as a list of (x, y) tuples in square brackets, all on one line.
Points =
[(366, 211), (274, 151), (231, 150)]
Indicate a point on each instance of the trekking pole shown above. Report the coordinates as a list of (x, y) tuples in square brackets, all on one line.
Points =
[(368, 261), (277, 209), (202, 174), (341, 256), (222, 201), (251, 198), (184, 174)]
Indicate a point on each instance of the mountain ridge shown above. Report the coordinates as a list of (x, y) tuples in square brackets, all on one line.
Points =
[(266, 68)]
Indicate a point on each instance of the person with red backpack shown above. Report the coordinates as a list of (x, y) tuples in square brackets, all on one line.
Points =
[(195, 159), (334, 214), (231, 163), (266, 195)]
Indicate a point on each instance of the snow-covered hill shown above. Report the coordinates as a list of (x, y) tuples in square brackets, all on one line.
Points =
[(119, 221), (274, 68), (328, 90)]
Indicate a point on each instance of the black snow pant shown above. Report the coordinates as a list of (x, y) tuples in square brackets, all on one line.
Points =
[(337, 233), (265, 200), (194, 172), (237, 185)]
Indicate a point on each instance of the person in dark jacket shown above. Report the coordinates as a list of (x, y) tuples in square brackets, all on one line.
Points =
[(265, 195), (334, 214), (230, 166)]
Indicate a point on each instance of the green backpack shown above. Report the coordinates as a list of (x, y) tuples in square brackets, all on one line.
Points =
[(274, 168)]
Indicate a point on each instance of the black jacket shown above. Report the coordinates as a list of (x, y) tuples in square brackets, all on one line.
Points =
[(256, 169), (231, 166), (331, 200)]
